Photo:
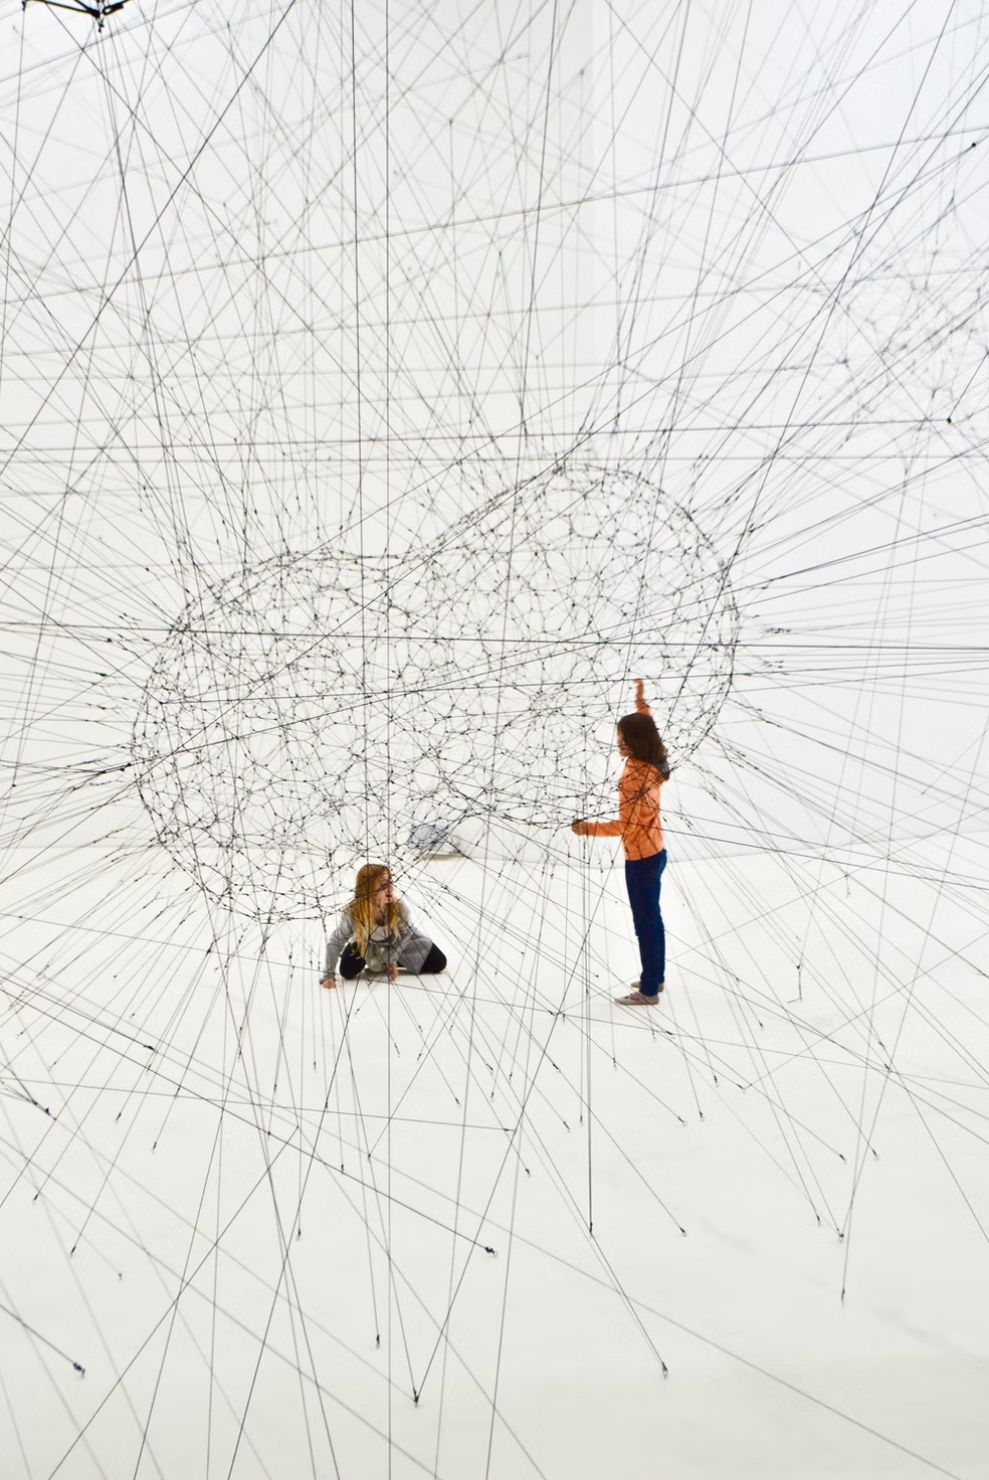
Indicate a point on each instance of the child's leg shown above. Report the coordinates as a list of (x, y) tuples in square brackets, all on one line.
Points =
[(632, 885), (642, 876), (660, 928), (435, 961), (351, 962)]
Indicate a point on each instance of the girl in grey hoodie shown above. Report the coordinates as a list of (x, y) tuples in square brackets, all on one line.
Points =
[(375, 933)]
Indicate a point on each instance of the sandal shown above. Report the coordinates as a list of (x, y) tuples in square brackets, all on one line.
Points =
[(637, 999)]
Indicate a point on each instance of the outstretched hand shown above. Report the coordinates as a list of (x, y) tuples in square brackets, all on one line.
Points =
[(579, 826), (640, 691), (328, 981)]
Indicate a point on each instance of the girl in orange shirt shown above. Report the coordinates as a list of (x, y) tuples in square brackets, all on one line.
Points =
[(640, 829)]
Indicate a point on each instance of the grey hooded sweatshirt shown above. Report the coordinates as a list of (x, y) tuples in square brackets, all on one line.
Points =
[(404, 946)]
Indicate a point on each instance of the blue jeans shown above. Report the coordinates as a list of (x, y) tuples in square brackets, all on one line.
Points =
[(642, 880)]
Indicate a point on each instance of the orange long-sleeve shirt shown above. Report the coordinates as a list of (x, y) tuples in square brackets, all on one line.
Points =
[(638, 822)]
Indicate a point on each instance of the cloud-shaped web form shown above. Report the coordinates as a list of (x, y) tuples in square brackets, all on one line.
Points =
[(306, 712)]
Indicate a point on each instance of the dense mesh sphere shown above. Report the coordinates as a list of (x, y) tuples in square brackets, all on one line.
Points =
[(308, 712)]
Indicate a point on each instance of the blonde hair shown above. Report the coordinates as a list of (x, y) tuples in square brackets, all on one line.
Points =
[(361, 907)]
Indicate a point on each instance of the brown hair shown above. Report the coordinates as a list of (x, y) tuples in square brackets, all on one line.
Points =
[(361, 909), (642, 741)]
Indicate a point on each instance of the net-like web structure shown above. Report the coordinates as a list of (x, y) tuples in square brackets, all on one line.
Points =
[(382, 390), (299, 706)]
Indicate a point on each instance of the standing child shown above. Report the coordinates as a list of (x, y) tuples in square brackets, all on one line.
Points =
[(376, 933), (639, 827)]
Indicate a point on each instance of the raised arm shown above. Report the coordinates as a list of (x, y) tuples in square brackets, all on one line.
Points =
[(630, 796)]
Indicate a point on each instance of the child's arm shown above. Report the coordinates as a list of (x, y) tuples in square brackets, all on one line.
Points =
[(615, 827), (628, 795), (412, 947), (343, 932)]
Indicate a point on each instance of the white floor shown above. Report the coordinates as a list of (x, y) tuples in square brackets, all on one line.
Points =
[(261, 1182)]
